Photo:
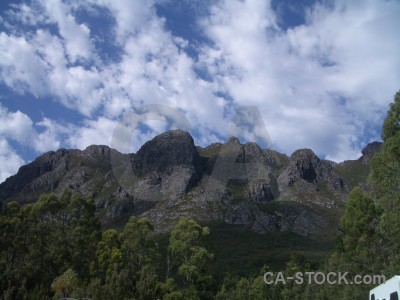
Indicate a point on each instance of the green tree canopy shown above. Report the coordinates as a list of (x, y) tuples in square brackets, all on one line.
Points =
[(65, 283)]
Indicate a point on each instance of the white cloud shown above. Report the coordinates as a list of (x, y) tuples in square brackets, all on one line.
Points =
[(76, 36), (16, 126), (94, 132), (102, 130), (130, 16), (299, 77), (10, 161), (25, 14), (51, 135), (40, 62), (19, 127), (152, 69), (21, 69), (320, 85)]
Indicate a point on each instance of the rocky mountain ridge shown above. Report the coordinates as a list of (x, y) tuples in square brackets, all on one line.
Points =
[(169, 177)]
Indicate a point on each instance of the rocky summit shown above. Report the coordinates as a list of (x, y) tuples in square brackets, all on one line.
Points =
[(170, 177)]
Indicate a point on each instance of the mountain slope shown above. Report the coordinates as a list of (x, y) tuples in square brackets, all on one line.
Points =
[(230, 183)]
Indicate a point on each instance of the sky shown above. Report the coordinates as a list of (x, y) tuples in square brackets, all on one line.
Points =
[(313, 74)]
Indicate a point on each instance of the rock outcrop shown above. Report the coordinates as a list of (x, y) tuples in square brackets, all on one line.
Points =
[(369, 151)]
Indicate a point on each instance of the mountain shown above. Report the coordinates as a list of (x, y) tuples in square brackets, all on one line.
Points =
[(231, 183)]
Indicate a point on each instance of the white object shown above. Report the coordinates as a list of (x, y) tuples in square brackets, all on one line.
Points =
[(390, 290)]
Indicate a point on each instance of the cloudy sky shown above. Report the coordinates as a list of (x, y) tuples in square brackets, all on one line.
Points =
[(321, 74)]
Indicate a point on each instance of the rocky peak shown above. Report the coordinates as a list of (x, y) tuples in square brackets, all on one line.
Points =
[(52, 161), (369, 151), (43, 164), (303, 164), (172, 148), (250, 153), (98, 151), (233, 140)]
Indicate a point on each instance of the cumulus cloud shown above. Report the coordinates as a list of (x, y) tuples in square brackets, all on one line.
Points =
[(318, 85), (16, 125), (21, 69), (45, 64), (94, 132), (130, 16), (42, 136), (10, 161), (50, 134), (103, 131), (76, 36), (323, 85)]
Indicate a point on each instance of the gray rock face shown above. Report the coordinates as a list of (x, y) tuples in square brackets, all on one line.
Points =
[(309, 179), (170, 177), (303, 165), (168, 166), (262, 190), (250, 153), (172, 148), (369, 151), (35, 177)]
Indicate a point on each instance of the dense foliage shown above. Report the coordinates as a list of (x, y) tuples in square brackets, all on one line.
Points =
[(56, 248)]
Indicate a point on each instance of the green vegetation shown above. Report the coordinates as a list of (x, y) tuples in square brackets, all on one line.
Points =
[(65, 284), (241, 252), (354, 172), (238, 189), (55, 248), (41, 241), (210, 151)]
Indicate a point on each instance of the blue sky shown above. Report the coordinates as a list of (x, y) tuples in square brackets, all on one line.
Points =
[(320, 73)]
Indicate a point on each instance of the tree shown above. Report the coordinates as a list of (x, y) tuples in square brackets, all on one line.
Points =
[(358, 225), (168, 290), (234, 288), (358, 248), (385, 172), (385, 176), (84, 232), (189, 254), (65, 283), (42, 239), (139, 253), (137, 246), (16, 237), (108, 254)]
